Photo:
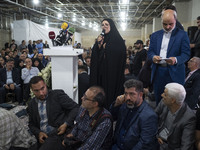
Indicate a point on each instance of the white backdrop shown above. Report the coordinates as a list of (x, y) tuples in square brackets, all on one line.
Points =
[(28, 30)]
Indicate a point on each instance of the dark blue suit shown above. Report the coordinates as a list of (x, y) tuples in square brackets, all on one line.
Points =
[(16, 80), (139, 130), (178, 47)]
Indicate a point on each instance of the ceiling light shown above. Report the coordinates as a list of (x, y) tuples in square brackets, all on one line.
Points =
[(90, 25), (124, 2), (74, 19), (123, 26), (83, 23), (59, 15), (36, 1)]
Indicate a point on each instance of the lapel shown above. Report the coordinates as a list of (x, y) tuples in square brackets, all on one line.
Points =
[(35, 107), (5, 73), (47, 105), (171, 41), (136, 115), (159, 43), (196, 35), (178, 117)]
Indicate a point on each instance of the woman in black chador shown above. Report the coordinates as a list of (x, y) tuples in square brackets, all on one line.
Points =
[(108, 61)]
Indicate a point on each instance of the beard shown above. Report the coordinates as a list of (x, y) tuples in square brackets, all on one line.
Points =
[(130, 104)]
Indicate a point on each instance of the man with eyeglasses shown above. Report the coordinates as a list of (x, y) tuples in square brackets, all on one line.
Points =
[(93, 128), (136, 126)]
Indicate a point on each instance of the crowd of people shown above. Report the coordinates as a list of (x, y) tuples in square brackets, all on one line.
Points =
[(114, 84)]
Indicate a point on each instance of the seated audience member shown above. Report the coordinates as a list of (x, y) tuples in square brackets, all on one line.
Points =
[(2, 62), (45, 45), (30, 47), (136, 126), (42, 60), (83, 81), (12, 132), (176, 120), (88, 61), (94, 123), (37, 63), (127, 73), (39, 46), (27, 73), (51, 112), (22, 45), (192, 82), (13, 43), (10, 81)]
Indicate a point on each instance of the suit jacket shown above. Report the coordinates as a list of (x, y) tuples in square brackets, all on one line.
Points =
[(182, 133), (192, 87), (60, 109), (196, 41), (141, 131), (83, 84), (178, 47), (15, 76)]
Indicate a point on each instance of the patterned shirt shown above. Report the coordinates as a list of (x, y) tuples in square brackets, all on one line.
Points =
[(43, 117), (12, 132), (82, 128)]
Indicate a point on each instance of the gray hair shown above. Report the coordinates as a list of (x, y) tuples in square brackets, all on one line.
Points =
[(176, 91), (197, 61), (135, 84)]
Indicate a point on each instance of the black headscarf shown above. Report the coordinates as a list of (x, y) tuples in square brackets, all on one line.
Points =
[(107, 65)]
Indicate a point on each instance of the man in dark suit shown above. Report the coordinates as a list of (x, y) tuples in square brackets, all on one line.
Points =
[(195, 43), (10, 81), (83, 81), (192, 82), (169, 49), (177, 121), (50, 114)]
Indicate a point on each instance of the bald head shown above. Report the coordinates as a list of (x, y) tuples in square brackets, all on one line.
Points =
[(168, 20)]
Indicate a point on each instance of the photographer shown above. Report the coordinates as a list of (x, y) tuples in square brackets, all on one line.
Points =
[(93, 128)]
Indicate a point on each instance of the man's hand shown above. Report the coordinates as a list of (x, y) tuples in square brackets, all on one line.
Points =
[(171, 60), (42, 137), (192, 45), (7, 87), (119, 101), (156, 59), (160, 141), (68, 135), (12, 86), (62, 129)]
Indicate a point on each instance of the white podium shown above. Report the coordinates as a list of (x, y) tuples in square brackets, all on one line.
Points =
[(64, 71)]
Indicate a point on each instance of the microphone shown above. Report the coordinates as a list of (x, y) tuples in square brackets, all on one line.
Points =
[(102, 34), (52, 37)]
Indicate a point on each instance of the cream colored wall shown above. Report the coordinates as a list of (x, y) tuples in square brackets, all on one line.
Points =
[(130, 37), (5, 36)]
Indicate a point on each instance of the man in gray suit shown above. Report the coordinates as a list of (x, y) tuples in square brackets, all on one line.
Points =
[(176, 120)]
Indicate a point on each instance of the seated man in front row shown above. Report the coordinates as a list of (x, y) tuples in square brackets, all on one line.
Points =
[(176, 120), (94, 123), (50, 114), (136, 126)]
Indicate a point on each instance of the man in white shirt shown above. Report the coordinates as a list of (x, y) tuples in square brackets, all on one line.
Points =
[(169, 49)]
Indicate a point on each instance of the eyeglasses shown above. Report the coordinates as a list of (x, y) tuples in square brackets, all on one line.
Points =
[(85, 98)]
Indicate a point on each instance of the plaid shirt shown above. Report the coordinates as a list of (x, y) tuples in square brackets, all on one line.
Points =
[(82, 128), (12, 132)]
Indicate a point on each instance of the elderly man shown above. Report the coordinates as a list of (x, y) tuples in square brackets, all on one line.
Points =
[(192, 82), (10, 81), (94, 122), (195, 43), (50, 114), (169, 49), (136, 126), (176, 120)]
